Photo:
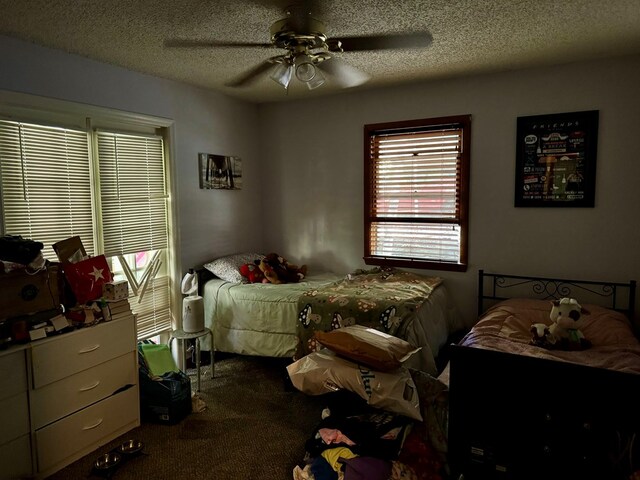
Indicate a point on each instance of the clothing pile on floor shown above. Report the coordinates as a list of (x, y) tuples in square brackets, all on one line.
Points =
[(354, 441), (383, 421)]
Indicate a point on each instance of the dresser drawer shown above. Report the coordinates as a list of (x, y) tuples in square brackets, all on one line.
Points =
[(14, 374), (61, 398), (88, 428), (15, 459), (14, 417), (59, 357)]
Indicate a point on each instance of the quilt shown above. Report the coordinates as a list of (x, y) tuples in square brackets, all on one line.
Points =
[(380, 298)]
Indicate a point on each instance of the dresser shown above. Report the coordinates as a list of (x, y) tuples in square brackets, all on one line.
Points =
[(15, 434), (66, 396)]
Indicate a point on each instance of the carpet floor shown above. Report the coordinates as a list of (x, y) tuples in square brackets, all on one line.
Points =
[(254, 427)]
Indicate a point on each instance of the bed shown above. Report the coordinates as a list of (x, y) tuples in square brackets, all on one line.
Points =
[(521, 411), (279, 320)]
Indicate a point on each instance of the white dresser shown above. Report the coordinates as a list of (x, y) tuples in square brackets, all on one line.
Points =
[(78, 391), (15, 437)]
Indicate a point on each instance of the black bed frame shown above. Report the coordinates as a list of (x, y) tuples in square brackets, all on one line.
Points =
[(519, 417), (493, 287)]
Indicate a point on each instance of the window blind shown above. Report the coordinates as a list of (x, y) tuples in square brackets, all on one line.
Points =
[(152, 309), (415, 193), (133, 193), (133, 199), (46, 184)]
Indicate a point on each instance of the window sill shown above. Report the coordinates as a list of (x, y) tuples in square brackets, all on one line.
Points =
[(408, 263)]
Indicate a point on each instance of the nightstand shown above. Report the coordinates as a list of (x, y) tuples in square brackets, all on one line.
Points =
[(181, 336)]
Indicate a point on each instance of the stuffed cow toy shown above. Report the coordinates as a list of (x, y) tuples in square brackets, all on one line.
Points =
[(566, 315), (565, 332)]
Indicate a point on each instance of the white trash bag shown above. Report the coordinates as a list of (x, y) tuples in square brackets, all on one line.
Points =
[(324, 372)]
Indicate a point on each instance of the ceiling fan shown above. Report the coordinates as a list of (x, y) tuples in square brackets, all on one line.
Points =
[(309, 51)]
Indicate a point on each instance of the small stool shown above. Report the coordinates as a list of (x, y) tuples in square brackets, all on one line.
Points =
[(181, 336)]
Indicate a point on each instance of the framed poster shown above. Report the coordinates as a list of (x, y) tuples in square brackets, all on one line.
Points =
[(219, 171), (556, 160)]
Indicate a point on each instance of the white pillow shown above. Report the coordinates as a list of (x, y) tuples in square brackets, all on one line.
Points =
[(228, 267)]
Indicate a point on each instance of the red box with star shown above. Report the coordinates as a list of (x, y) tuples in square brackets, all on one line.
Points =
[(87, 277)]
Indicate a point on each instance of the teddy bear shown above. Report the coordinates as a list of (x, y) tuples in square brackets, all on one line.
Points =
[(566, 315), (277, 269)]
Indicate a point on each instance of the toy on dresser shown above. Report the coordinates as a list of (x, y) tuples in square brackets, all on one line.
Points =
[(565, 332)]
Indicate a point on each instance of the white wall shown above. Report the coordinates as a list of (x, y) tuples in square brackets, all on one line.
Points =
[(308, 201), (210, 222), (314, 150)]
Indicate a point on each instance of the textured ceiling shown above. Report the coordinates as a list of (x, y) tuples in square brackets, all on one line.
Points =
[(469, 36)]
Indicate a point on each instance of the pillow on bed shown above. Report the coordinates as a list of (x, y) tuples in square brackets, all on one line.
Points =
[(367, 346), (228, 267)]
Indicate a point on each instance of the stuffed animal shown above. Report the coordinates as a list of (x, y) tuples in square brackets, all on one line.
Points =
[(252, 272), (541, 337), (566, 315), (277, 269)]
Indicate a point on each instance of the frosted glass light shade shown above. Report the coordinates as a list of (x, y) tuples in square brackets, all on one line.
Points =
[(282, 74), (316, 81)]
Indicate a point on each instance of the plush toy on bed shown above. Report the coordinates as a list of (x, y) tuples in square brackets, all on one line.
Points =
[(564, 332), (566, 315), (252, 272), (277, 269), (541, 337)]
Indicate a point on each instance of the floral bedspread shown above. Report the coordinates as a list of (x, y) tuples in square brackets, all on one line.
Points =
[(378, 298)]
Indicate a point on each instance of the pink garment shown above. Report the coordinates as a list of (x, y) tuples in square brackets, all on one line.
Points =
[(331, 435)]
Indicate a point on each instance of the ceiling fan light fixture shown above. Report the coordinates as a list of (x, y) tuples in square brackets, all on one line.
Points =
[(316, 81), (282, 74), (305, 69), (308, 51)]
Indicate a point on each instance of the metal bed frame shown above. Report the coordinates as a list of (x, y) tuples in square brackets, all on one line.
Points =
[(518, 417), (494, 287)]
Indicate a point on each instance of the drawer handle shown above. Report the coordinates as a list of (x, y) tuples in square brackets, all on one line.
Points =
[(90, 387), (90, 349), (93, 426)]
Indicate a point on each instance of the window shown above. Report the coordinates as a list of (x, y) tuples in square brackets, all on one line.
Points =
[(417, 193), (46, 175), (133, 204), (109, 188)]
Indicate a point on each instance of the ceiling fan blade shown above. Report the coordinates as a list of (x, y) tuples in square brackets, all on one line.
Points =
[(212, 43), (342, 73), (253, 74), (385, 42)]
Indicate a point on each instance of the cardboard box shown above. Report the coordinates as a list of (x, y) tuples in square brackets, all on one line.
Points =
[(66, 249), (25, 293)]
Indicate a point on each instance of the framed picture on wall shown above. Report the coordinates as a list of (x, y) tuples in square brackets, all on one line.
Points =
[(219, 171), (556, 160)]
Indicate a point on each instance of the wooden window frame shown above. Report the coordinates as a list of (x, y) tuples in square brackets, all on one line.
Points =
[(464, 123)]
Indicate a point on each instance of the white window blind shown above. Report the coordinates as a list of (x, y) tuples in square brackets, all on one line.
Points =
[(48, 194), (425, 241), (133, 200), (416, 194), (416, 175), (153, 309), (133, 193), (46, 184)]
